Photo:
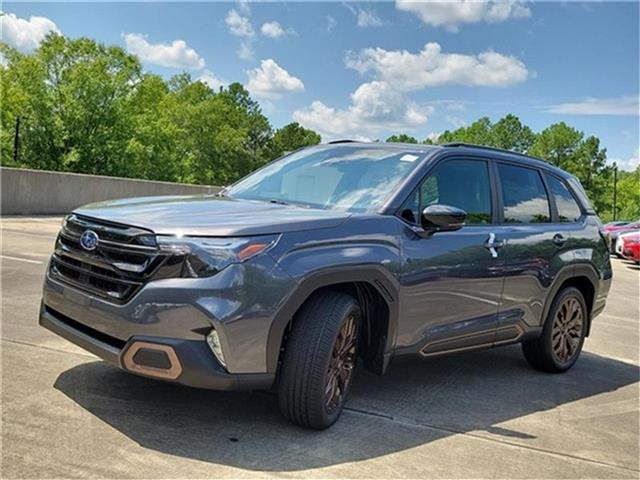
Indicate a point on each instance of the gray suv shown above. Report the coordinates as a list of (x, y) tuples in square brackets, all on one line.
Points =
[(334, 253)]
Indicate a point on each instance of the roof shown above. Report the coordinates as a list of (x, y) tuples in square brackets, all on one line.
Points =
[(468, 147)]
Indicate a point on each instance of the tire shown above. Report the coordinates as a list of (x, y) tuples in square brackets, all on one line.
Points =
[(540, 352), (309, 364)]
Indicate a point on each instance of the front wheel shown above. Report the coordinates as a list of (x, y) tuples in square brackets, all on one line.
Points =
[(560, 344), (319, 360)]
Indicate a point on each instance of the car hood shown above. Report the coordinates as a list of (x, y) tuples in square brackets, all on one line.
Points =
[(209, 215)]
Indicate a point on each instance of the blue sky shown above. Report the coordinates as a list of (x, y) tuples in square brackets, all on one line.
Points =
[(372, 69)]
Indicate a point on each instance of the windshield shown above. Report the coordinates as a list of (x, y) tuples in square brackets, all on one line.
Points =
[(344, 178)]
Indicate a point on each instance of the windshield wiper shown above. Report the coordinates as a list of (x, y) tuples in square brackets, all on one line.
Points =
[(278, 202)]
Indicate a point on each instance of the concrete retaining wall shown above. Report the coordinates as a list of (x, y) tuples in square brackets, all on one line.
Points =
[(33, 192)]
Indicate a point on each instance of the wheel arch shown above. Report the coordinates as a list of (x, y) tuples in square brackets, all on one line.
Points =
[(583, 277), (369, 284)]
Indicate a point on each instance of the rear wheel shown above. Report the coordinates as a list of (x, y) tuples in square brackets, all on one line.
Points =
[(560, 344), (319, 360)]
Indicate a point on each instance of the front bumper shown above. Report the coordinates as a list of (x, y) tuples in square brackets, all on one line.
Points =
[(240, 302), (191, 363)]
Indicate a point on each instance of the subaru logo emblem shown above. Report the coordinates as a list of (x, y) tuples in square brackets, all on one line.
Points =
[(89, 240)]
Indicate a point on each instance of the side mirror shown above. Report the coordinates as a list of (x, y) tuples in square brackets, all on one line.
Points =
[(442, 218)]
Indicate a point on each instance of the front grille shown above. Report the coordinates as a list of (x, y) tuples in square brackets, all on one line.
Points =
[(123, 261)]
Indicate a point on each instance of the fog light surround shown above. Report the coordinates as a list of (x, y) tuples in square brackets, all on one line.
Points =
[(213, 340)]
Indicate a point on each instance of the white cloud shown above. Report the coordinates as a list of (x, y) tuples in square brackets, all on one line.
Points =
[(331, 23), (275, 30), (375, 107), (25, 35), (457, 122), (364, 18), (272, 30), (451, 14), (270, 80), (175, 55), (209, 79), (243, 7), (628, 164), (239, 25), (245, 51), (430, 67), (434, 136), (368, 18), (625, 105)]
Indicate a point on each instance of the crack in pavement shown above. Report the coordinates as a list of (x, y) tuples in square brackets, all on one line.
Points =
[(412, 423)]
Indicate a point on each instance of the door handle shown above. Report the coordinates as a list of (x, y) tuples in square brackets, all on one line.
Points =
[(559, 239), (493, 245)]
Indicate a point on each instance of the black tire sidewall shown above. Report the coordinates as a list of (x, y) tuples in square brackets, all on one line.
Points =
[(303, 374), (332, 417)]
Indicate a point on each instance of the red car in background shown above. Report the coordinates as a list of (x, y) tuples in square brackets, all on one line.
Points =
[(631, 247), (614, 229)]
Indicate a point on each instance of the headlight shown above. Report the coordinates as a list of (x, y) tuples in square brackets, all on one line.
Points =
[(206, 256)]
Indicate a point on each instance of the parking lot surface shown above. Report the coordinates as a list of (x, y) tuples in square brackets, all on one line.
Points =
[(480, 415)]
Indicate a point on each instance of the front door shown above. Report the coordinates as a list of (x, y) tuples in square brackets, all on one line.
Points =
[(451, 282)]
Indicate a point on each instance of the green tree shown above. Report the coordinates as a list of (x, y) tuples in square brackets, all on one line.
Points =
[(628, 201), (558, 144), (478, 133), (74, 93), (566, 147), (509, 133), (402, 138), (289, 138), (259, 130), (89, 108)]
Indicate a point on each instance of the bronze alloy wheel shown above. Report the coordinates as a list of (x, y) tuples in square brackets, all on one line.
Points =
[(341, 365), (567, 330)]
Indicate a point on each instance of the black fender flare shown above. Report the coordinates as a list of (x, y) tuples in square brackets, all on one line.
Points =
[(567, 273), (375, 275)]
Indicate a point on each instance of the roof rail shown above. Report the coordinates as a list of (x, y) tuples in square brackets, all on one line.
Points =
[(493, 149), (342, 141), (473, 145)]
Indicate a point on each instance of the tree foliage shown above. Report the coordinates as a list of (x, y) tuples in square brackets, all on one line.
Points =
[(291, 137), (402, 138), (562, 146), (628, 204), (88, 108)]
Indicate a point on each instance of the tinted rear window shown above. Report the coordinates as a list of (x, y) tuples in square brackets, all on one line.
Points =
[(568, 209), (523, 195)]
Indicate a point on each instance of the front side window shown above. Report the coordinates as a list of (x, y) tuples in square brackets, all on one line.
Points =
[(344, 178), (462, 184), (523, 195), (568, 210)]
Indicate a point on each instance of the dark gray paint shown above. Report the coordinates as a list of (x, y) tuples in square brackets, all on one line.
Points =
[(445, 292)]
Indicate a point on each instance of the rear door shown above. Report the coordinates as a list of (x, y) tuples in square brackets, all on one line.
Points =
[(537, 245)]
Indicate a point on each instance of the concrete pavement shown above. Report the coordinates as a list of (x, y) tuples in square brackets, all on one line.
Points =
[(480, 415)]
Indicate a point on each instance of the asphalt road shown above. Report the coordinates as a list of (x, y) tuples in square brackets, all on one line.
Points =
[(481, 415)]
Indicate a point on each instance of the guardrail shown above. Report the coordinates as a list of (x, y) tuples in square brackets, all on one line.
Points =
[(34, 192)]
